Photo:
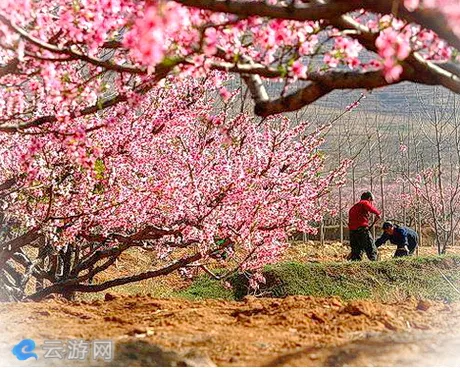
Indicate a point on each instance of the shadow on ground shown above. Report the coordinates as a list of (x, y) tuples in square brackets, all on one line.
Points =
[(379, 350)]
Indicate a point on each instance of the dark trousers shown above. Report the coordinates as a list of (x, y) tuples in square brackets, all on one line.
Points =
[(361, 241)]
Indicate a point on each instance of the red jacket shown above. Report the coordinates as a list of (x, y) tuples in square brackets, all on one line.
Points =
[(358, 215)]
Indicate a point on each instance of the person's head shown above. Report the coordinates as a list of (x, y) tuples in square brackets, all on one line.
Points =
[(368, 196), (388, 227)]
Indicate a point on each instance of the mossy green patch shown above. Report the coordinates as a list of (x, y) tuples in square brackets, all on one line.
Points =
[(435, 278), (205, 288)]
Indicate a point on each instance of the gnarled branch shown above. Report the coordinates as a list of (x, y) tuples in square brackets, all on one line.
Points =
[(316, 10)]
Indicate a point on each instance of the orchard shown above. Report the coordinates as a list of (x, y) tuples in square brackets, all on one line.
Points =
[(120, 127)]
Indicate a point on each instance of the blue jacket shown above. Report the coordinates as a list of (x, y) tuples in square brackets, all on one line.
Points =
[(402, 236)]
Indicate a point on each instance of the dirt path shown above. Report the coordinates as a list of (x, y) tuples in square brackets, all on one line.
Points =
[(296, 330)]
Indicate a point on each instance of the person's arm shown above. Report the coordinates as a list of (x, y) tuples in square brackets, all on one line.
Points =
[(380, 241), (369, 207)]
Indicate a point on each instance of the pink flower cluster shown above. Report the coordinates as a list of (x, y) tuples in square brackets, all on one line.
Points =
[(394, 46), (449, 8), (171, 163)]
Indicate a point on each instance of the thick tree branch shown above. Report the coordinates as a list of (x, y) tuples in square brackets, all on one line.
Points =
[(434, 20), (252, 80), (416, 68), (70, 286), (316, 10), (9, 248), (7, 184), (323, 83), (427, 72), (90, 274), (126, 241), (99, 255), (256, 87), (20, 241), (24, 261), (9, 68), (313, 10)]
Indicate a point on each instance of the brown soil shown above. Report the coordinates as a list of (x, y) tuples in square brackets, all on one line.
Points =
[(295, 331)]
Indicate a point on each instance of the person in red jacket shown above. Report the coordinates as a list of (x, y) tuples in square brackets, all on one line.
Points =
[(358, 223)]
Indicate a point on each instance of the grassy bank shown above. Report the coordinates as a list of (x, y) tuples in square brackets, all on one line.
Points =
[(435, 278)]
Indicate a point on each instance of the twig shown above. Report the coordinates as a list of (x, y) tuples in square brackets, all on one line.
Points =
[(448, 281)]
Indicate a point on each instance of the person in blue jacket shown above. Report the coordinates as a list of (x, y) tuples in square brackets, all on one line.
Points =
[(405, 238)]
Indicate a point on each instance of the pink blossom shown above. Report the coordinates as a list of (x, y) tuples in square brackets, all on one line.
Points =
[(393, 72), (393, 47), (157, 151), (331, 61), (298, 69), (210, 46), (411, 5), (403, 50), (225, 94)]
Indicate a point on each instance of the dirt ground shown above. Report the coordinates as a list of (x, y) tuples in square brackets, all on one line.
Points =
[(295, 331)]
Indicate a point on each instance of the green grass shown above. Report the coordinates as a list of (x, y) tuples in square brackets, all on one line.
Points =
[(389, 281), (205, 288)]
